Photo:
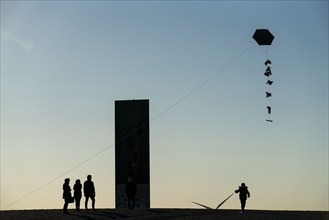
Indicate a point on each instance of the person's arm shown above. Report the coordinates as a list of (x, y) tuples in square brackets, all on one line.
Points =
[(94, 192)]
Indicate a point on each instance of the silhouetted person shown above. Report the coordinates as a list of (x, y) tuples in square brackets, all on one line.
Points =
[(244, 193), (131, 189), (66, 194), (77, 194), (89, 192)]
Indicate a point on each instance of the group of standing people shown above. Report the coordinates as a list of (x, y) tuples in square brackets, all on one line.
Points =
[(131, 189), (88, 190)]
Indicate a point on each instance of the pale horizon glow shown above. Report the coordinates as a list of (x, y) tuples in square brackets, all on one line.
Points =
[(64, 63)]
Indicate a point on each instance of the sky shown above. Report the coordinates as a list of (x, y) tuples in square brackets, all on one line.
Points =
[(64, 63)]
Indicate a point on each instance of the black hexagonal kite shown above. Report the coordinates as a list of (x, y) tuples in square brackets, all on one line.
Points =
[(263, 37)]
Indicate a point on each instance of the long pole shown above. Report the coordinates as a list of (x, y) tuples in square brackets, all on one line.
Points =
[(224, 201)]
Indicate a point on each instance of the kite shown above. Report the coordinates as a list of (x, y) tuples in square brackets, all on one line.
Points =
[(264, 37)]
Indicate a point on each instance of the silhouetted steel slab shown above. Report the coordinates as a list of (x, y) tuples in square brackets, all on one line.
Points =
[(132, 154)]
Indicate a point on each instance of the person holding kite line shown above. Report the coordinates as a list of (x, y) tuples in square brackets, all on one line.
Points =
[(243, 190)]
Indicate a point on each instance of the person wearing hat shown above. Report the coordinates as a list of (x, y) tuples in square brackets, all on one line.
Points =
[(243, 194)]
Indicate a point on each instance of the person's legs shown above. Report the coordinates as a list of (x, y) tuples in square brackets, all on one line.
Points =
[(133, 202), (243, 204), (77, 203), (66, 203), (86, 203), (93, 202), (129, 202)]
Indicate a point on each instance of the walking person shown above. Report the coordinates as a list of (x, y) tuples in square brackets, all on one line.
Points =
[(66, 195), (243, 194), (77, 194), (89, 192), (131, 189)]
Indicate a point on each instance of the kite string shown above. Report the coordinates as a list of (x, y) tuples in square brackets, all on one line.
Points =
[(132, 132), (202, 84)]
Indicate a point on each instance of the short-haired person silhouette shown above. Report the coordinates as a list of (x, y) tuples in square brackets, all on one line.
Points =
[(131, 189), (243, 190), (89, 192), (77, 194), (66, 194)]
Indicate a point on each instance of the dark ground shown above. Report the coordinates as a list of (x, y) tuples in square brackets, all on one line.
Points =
[(164, 214)]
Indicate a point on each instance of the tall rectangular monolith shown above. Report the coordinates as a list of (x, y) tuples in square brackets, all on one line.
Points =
[(132, 151)]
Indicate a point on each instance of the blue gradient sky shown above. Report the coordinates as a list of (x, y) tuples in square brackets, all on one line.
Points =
[(63, 64)]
